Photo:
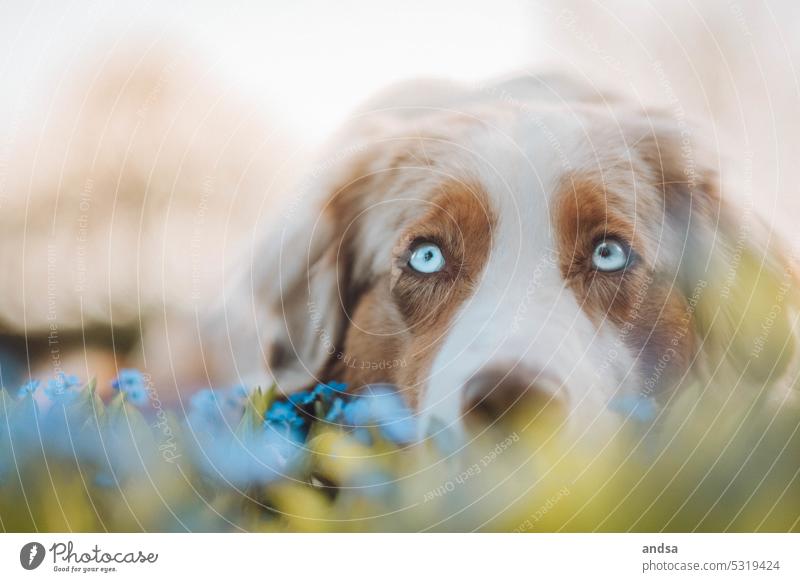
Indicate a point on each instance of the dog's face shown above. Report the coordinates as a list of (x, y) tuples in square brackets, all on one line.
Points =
[(505, 251)]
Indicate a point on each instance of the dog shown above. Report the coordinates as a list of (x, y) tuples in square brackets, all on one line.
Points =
[(530, 244), (527, 244)]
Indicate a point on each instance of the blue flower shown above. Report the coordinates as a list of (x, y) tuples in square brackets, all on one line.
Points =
[(219, 407), (203, 402), (335, 411), (259, 458), (62, 388), (635, 406), (340, 387), (132, 384), (327, 392), (235, 397), (293, 416), (28, 388), (324, 393), (105, 480), (303, 399), (285, 425), (383, 408), (285, 412)]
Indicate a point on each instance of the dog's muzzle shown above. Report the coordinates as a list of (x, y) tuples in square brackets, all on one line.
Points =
[(500, 392)]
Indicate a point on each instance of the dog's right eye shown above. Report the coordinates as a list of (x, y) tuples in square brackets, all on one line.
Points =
[(610, 255), (426, 257)]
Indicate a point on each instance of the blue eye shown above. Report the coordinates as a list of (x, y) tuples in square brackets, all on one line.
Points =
[(610, 255), (426, 258)]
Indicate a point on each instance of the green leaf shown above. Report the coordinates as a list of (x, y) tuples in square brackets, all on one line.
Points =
[(87, 407), (252, 422), (126, 422)]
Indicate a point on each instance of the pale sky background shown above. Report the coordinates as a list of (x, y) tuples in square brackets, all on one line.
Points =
[(308, 61)]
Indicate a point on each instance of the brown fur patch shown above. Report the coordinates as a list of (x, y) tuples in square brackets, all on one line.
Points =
[(401, 319), (651, 314)]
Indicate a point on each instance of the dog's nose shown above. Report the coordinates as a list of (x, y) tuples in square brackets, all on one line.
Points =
[(499, 392)]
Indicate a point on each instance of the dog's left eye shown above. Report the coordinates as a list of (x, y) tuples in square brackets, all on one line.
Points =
[(610, 255), (426, 258)]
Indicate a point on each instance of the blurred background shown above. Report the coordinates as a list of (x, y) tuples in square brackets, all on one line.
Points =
[(143, 145)]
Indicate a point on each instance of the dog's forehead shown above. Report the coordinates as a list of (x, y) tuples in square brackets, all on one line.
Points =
[(522, 158), (536, 164)]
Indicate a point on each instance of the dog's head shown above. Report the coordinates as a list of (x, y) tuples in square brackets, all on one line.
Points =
[(519, 243)]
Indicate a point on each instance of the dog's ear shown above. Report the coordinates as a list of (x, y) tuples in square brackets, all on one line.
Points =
[(299, 289), (745, 285), (740, 284), (281, 318), (285, 317)]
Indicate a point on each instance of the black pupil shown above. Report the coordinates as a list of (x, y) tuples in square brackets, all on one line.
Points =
[(605, 251), (428, 255)]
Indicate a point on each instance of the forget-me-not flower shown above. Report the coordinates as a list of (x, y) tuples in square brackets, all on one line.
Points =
[(63, 388), (132, 384)]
